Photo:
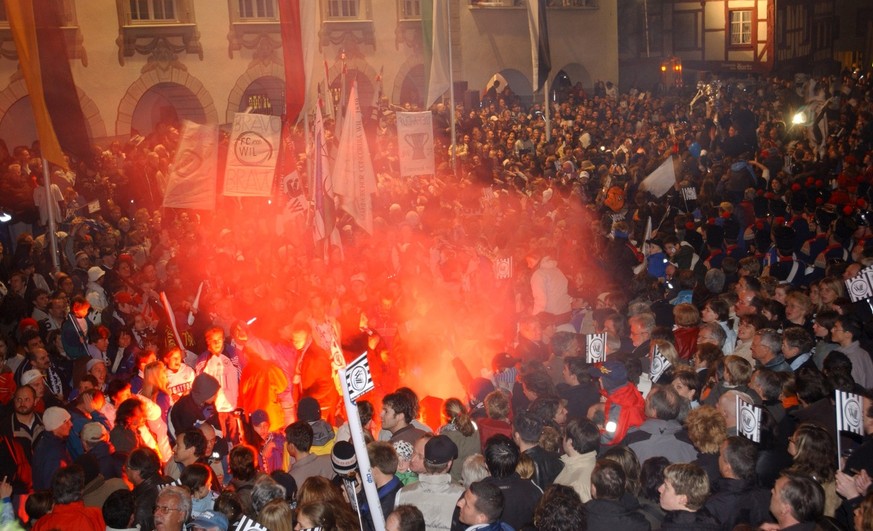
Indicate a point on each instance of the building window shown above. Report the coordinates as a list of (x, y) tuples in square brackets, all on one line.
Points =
[(343, 8), (410, 9), (741, 28), (685, 30), (257, 9), (152, 10)]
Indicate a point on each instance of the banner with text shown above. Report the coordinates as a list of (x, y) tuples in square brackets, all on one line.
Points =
[(252, 155), (191, 183), (415, 143)]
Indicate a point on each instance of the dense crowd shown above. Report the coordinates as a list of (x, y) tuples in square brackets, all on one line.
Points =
[(181, 367)]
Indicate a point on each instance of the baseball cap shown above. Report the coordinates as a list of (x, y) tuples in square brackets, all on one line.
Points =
[(54, 417), (210, 519), (440, 449)]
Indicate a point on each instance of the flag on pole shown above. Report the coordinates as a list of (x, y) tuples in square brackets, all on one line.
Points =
[(644, 248), (661, 180), (595, 348), (440, 78), (358, 377), (298, 27), (748, 420), (355, 180), (324, 223), (659, 364), (326, 95), (539, 42), (191, 182), (849, 412), (171, 318), (42, 55)]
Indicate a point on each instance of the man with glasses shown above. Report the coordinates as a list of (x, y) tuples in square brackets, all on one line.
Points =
[(172, 509)]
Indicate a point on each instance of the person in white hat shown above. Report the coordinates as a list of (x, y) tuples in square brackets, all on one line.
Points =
[(50, 450), (95, 293)]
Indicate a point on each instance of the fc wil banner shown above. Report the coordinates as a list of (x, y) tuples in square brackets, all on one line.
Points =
[(252, 155), (415, 143)]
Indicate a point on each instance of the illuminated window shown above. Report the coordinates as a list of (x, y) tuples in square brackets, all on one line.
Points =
[(152, 10), (741, 27), (343, 8), (257, 9), (410, 9)]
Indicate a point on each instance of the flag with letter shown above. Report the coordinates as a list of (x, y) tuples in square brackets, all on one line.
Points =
[(860, 286), (191, 182), (661, 180), (659, 364), (354, 178), (539, 42), (849, 412), (252, 155), (748, 420), (36, 27), (358, 377), (595, 348), (415, 143)]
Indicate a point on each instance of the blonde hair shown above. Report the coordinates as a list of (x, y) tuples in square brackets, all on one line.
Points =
[(277, 516), (706, 429), (686, 314), (525, 467)]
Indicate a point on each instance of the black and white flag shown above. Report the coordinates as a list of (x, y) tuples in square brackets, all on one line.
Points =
[(503, 268), (247, 524), (659, 365), (689, 193), (849, 409), (860, 286), (358, 377), (748, 420), (596, 348)]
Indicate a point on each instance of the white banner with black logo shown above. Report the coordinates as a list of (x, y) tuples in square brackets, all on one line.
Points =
[(849, 412), (358, 377), (595, 349), (659, 365), (860, 286), (748, 420)]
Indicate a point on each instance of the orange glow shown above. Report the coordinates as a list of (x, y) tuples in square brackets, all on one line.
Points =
[(663, 68)]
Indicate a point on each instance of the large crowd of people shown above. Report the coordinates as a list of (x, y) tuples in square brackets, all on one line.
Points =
[(180, 368)]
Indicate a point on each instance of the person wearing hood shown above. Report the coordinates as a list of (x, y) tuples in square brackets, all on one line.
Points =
[(549, 287), (96, 294), (624, 406), (195, 406), (323, 434)]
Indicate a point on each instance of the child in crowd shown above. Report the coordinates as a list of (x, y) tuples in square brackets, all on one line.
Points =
[(404, 461)]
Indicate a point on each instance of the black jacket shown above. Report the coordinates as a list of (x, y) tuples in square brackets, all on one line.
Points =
[(739, 501), (612, 515), (520, 496), (682, 520), (547, 466), (145, 495)]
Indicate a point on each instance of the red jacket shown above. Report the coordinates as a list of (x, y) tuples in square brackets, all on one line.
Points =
[(72, 516), (626, 408), (686, 341)]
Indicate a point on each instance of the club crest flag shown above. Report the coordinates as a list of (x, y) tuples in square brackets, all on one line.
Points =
[(93, 206), (748, 420), (415, 143), (252, 155), (860, 286), (596, 348), (689, 193), (849, 412), (659, 364), (358, 377), (503, 268), (191, 183)]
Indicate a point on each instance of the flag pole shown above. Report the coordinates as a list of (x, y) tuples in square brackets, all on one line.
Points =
[(451, 90), (546, 112), (52, 229)]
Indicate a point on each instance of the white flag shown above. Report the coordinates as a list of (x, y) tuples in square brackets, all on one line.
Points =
[(849, 412), (661, 180), (596, 348), (353, 176), (415, 143), (860, 286), (191, 183), (252, 155), (659, 365), (748, 420), (440, 79), (644, 248), (358, 377)]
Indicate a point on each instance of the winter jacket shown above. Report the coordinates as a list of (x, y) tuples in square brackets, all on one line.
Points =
[(577, 473), (547, 466), (613, 515), (683, 520), (549, 287), (660, 438), (623, 407), (739, 501)]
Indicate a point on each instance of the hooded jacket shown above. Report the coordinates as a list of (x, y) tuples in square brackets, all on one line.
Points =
[(660, 438), (549, 287)]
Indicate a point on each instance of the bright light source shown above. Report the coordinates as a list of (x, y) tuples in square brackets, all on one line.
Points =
[(799, 118), (602, 148), (611, 426), (663, 68), (4, 217)]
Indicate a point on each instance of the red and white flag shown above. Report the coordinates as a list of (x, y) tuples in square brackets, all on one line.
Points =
[(298, 26)]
